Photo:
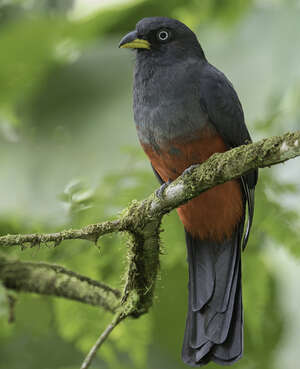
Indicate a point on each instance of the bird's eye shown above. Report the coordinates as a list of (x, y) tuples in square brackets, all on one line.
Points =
[(163, 35)]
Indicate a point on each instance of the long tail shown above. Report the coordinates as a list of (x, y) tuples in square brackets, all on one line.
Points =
[(214, 324)]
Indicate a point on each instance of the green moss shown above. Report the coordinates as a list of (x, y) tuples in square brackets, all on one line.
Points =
[(142, 225)]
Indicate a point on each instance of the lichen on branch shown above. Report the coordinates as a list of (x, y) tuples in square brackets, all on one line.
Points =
[(141, 220), (219, 168), (55, 280)]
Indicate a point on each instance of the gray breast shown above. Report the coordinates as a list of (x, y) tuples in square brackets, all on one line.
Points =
[(167, 102)]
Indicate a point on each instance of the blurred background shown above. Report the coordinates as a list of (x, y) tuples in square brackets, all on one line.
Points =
[(69, 156)]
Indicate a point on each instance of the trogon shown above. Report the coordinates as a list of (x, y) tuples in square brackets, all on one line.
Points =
[(185, 110)]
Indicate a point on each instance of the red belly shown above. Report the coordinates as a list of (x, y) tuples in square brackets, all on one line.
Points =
[(215, 213)]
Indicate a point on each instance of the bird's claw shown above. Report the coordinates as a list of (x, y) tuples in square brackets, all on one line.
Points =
[(189, 169), (159, 192)]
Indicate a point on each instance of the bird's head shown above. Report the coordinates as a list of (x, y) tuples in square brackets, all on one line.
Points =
[(162, 37)]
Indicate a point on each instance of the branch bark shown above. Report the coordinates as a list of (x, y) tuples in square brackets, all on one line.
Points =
[(91, 233), (55, 280)]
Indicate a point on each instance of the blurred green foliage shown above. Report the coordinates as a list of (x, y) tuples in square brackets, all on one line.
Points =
[(68, 157)]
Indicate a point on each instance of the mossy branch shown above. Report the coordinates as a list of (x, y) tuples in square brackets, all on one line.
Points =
[(91, 233), (218, 169), (55, 280), (141, 220)]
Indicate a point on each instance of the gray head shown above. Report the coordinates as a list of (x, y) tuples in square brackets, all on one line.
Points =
[(161, 37)]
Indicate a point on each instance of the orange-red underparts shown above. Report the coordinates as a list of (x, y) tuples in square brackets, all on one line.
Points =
[(214, 214)]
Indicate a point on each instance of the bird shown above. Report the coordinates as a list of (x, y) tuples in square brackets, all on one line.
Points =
[(185, 110)]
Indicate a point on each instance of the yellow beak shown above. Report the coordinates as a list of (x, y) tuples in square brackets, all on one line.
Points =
[(137, 44), (131, 41)]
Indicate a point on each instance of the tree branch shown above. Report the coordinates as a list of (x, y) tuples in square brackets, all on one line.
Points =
[(49, 279), (104, 335), (142, 221), (218, 169), (91, 233)]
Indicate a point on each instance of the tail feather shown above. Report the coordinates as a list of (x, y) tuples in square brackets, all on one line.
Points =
[(231, 350), (214, 327), (203, 271)]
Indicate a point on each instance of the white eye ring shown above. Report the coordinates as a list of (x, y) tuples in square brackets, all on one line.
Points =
[(163, 35)]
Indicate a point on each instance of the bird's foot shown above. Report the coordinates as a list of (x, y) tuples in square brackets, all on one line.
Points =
[(160, 191), (189, 170)]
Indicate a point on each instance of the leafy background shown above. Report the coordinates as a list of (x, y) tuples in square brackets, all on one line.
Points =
[(69, 156)]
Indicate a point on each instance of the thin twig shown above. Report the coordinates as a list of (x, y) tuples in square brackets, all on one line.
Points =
[(91, 233), (104, 335)]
